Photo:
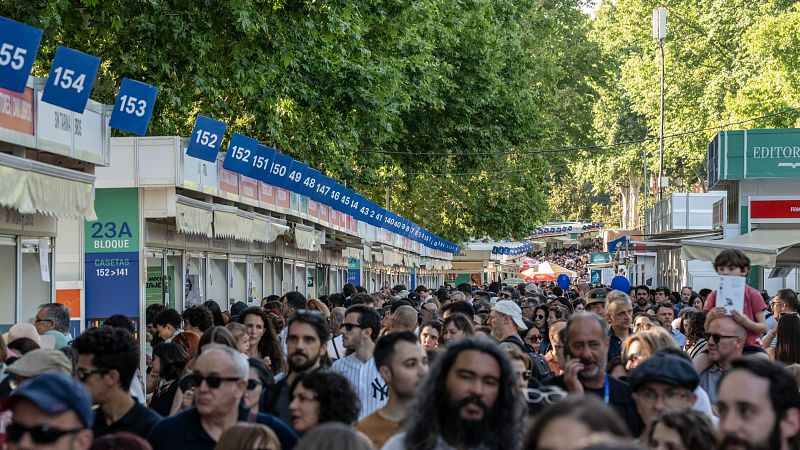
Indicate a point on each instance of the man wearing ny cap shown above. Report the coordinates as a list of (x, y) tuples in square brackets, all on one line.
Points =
[(663, 382), (50, 411), (505, 320)]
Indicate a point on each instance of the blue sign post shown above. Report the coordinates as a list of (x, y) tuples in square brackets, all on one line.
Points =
[(354, 271), (19, 44), (206, 138), (71, 78), (134, 106)]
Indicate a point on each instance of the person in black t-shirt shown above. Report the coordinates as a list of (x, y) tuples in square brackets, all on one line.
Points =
[(107, 360), (586, 352)]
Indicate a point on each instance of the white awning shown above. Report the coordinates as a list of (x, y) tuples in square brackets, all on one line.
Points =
[(764, 247), (306, 239), (32, 187), (228, 224), (262, 231), (192, 219)]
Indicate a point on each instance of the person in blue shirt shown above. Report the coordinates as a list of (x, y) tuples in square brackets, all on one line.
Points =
[(220, 380)]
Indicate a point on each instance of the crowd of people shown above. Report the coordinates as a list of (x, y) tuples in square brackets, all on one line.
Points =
[(459, 367)]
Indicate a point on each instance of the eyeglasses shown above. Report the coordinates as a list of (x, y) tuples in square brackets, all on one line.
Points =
[(534, 338), (195, 380), (669, 396), (714, 337), (504, 295), (37, 320), (82, 374), (252, 384), (350, 326), (551, 397), (41, 434), (539, 317)]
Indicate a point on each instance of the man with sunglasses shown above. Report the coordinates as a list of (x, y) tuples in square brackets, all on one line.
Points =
[(107, 361), (306, 342), (50, 411), (725, 342), (219, 379), (361, 327)]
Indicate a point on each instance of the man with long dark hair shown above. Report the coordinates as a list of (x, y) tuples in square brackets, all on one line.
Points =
[(469, 400)]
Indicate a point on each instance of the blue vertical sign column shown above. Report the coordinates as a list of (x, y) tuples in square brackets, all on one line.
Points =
[(111, 256)]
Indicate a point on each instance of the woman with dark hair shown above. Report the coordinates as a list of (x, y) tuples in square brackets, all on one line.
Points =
[(787, 349), (264, 342), (456, 327), (430, 335), (169, 362), (681, 430), (322, 396), (696, 340), (22, 345), (565, 424), (258, 379), (540, 321), (216, 313)]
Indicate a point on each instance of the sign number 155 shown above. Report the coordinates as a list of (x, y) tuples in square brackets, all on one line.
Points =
[(15, 56)]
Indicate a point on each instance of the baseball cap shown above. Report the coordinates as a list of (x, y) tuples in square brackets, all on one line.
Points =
[(512, 310), (55, 393), (596, 296), (40, 361), (669, 369)]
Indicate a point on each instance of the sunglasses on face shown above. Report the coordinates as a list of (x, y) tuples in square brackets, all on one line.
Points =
[(550, 397), (195, 380), (350, 326), (252, 384), (715, 338), (534, 339), (504, 295), (41, 434), (83, 374)]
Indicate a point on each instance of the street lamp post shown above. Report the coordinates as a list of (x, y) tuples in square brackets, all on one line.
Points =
[(659, 34)]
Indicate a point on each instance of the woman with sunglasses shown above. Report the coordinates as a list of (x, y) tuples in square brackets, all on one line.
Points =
[(540, 321), (258, 378)]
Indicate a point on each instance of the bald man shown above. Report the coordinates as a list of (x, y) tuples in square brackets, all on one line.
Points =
[(726, 340), (404, 319)]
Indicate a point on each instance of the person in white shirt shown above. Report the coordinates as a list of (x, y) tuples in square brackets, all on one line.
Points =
[(361, 328), (335, 347)]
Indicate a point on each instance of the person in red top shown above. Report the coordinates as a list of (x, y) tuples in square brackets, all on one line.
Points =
[(753, 318)]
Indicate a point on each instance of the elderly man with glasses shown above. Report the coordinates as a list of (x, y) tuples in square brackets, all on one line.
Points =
[(220, 380), (725, 342)]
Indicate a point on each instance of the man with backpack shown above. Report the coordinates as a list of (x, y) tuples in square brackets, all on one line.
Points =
[(506, 322)]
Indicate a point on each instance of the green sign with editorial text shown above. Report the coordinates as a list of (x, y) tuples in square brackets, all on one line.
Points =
[(751, 154)]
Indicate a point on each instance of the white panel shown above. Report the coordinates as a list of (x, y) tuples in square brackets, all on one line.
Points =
[(158, 160), (122, 171), (68, 250)]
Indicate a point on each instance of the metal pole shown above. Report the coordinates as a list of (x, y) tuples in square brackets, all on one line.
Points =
[(644, 178), (661, 134)]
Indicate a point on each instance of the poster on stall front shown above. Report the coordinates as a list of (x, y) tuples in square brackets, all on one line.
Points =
[(111, 256)]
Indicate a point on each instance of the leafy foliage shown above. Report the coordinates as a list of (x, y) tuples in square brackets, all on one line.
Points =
[(417, 97)]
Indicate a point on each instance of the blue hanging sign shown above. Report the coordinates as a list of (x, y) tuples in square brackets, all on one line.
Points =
[(206, 138), (280, 169), (243, 155), (19, 44), (71, 78), (345, 199), (134, 107), (301, 180), (262, 163)]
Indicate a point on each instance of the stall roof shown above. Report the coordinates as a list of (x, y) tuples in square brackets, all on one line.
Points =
[(764, 247)]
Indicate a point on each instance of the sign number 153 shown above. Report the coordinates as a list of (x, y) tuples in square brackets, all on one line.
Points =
[(132, 105)]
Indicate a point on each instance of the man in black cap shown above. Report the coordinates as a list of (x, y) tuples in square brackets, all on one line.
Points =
[(663, 382), (50, 411)]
